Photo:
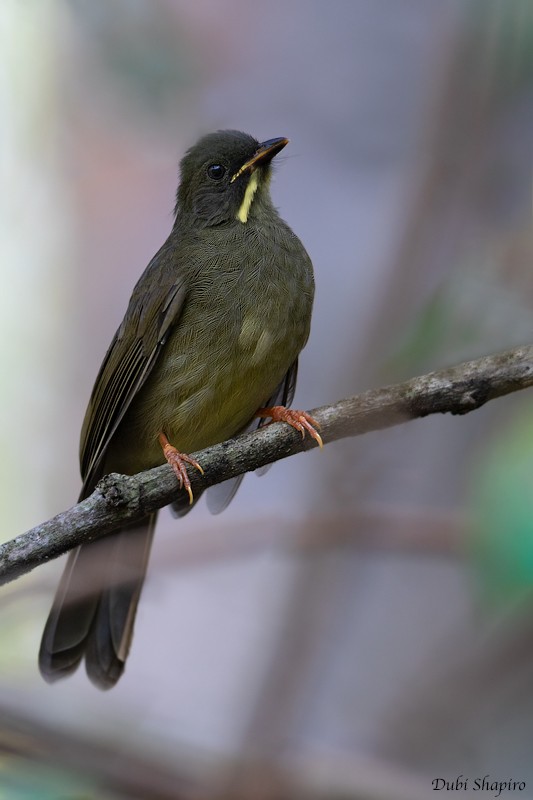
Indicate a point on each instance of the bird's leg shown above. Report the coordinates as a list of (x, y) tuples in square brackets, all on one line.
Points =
[(178, 463), (300, 420)]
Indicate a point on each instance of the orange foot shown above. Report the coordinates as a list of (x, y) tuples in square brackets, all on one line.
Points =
[(300, 420), (178, 461)]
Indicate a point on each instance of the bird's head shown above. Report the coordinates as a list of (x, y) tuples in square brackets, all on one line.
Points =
[(225, 178)]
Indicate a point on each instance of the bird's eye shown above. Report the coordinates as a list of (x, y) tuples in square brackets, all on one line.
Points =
[(216, 172)]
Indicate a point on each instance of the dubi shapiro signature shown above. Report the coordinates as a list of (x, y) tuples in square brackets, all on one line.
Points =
[(484, 784)]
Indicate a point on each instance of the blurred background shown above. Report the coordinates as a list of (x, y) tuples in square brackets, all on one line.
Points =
[(358, 622)]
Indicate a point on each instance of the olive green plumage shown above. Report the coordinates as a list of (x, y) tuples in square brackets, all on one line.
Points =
[(212, 333)]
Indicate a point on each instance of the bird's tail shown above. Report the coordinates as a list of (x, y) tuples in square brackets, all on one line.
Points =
[(94, 608)]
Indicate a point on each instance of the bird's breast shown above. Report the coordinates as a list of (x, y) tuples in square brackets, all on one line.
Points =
[(239, 333), (255, 340)]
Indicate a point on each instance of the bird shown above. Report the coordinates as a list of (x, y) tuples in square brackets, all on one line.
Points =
[(207, 349)]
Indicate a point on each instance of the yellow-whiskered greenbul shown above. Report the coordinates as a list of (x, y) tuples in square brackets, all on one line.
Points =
[(209, 343)]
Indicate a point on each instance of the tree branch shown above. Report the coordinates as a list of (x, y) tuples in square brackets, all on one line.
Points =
[(118, 498)]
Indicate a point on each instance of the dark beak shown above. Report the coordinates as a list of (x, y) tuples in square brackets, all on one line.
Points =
[(264, 153)]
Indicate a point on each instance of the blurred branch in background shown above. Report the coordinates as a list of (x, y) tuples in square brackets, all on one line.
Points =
[(34, 755), (133, 776), (29, 744), (118, 499)]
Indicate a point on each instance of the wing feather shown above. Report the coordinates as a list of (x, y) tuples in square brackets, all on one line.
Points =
[(128, 362)]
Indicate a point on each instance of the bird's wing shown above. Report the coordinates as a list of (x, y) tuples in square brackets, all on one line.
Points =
[(221, 495), (151, 313), (284, 394)]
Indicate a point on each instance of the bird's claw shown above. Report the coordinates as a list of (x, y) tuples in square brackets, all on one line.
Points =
[(300, 420), (178, 462)]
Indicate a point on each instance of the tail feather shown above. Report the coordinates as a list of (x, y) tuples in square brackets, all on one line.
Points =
[(94, 609)]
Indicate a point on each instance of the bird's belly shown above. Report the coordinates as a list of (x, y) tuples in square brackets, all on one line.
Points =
[(199, 401)]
